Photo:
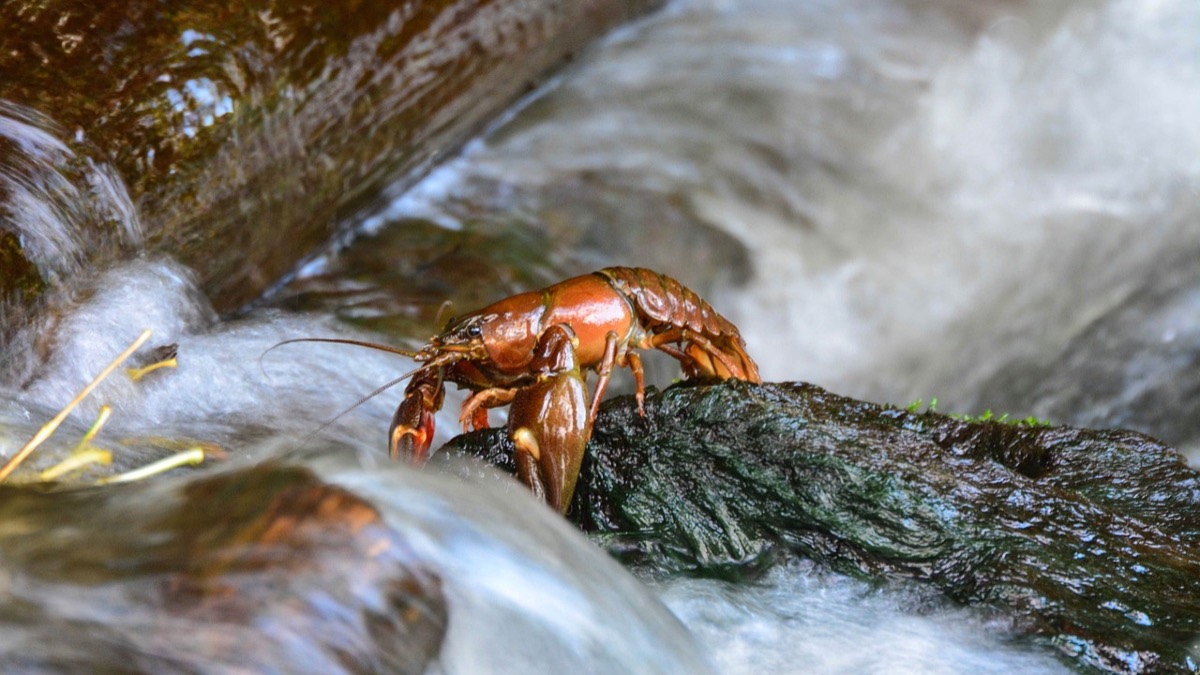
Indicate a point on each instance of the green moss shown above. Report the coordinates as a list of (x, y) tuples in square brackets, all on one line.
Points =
[(987, 416)]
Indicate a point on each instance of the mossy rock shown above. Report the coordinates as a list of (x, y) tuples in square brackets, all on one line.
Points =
[(1089, 538)]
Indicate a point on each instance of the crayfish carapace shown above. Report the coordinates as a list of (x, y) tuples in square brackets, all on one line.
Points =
[(530, 350)]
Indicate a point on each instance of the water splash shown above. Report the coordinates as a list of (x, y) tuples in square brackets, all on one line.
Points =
[(798, 619), (527, 592), (58, 202)]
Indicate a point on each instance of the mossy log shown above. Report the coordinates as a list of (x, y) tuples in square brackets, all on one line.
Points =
[(1089, 538), (246, 134)]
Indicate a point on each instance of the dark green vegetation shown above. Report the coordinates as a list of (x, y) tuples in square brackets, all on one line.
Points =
[(1089, 539)]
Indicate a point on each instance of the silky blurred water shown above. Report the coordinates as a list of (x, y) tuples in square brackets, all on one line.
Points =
[(993, 203), (896, 200), (797, 619), (520, 581)]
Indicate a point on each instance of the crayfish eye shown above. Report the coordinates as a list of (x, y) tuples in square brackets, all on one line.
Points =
[(474, 330)]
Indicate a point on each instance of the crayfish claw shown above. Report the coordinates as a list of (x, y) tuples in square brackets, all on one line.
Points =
[(411, 441), (411, 432), (528, 454), (549, 421)]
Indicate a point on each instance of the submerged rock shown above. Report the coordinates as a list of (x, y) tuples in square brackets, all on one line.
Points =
[(266, 569), (1089, 538)]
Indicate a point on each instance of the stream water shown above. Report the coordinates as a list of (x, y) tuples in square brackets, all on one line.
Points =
[(992, 203)]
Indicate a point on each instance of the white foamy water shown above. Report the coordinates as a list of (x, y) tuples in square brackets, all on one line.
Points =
[(796, 620), (234, 380), (57, 202), (526, 591), (928, 193)]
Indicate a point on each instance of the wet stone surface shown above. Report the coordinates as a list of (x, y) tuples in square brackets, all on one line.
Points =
[(185, 127), (1089, 538)]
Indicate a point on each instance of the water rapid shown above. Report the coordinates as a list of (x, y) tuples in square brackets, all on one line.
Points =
[(993, 203)]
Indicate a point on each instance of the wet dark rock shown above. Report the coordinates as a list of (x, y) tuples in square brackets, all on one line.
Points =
[(265, 569), (1089, 538), (246, 134)]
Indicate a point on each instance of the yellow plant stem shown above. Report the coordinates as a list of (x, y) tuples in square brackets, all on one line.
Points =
[(136, 374), (105, 411), (76, 461), (50, 427), (82, 455), (192, 456)]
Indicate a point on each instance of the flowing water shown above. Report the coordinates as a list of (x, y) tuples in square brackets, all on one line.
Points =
[(988, 203), (993, 203)]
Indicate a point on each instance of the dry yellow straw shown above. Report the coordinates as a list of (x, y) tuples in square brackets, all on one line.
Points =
[(136, 374), (82, 455), (76, 461), (49, 428), (105, 411), (191, 456)]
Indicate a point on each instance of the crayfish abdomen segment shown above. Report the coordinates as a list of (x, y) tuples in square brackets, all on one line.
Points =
[(710, 346)]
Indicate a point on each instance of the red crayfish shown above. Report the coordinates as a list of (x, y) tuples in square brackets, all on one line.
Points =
[(531, 349)]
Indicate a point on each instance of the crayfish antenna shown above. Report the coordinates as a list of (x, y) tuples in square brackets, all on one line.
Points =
[(379, 390), (445, 314), (341, 341), (439, 361)]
